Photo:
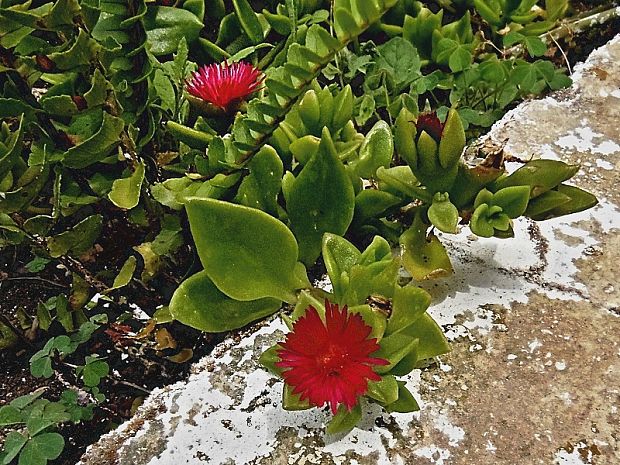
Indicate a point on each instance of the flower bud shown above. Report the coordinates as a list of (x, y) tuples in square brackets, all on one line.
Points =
[(310, 112), (343, 108), (404, 137), (452, 140), (432, 149)]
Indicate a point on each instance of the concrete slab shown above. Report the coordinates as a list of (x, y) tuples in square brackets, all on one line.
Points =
[(534, 375)]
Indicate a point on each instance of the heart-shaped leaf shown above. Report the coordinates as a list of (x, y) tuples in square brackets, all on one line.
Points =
[(247, 253), (13, 444), (198, 303)]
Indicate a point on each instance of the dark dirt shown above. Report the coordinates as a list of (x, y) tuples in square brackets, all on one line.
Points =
[(136, 366)]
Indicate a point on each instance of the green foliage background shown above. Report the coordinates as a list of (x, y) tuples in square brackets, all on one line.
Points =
[(96, 127)]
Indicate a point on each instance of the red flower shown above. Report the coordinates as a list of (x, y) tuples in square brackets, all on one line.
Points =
[(223, 85), (329, 362), (430, 123)]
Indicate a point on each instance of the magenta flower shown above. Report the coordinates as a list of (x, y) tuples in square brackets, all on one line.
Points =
[(329, 362), (224, 85)]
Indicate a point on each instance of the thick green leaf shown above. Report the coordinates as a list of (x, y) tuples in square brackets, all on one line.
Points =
[(248, 20), (452, 140), (343, 109), (30, 184), (385, 391), (291, 401), (306, 300), (409, 304), (167, 26), (304, 148), (125, 192), (432, 341), (77, 239), (125, 274), (345, 25), (173, 192), (170, 236), (196, 139), (309, 111), (443, 214), (406, 402), (480, 222), (11, 107), (373, 279), (261, 187), (424, 256), (98, 146), (339, 256), (579, 200), (62, 13), (269, 358), (513, 200), (198, 303), (373, 317), (376, 151), (14, 146), (320, 200), (378, 250), (345, 420), (247, 253), (373, 203), (394, 348), (79, 54)]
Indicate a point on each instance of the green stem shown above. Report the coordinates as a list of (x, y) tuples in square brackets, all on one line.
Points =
[(315, 70)]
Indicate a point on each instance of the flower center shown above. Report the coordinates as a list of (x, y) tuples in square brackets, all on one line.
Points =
[(332, 360)]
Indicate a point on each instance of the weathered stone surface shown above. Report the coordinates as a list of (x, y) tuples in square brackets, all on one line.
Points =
[(534, 375)]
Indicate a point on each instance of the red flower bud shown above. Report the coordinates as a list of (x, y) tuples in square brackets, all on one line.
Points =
[(429, 123), (45, 63), (80, 102)]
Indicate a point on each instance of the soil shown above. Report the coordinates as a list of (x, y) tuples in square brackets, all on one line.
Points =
[(136, 366)]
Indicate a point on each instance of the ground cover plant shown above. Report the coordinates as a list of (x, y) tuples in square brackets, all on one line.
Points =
[(167, 165)]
